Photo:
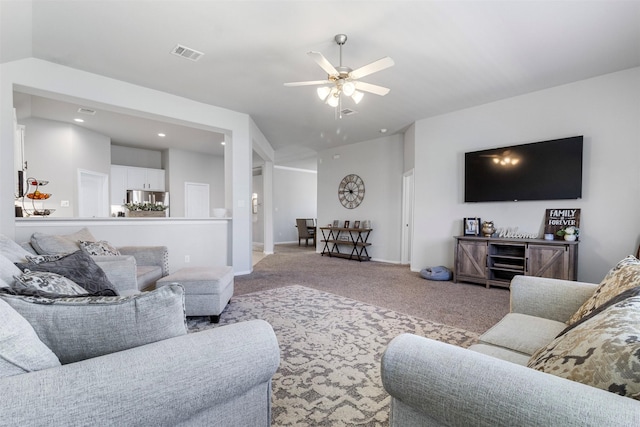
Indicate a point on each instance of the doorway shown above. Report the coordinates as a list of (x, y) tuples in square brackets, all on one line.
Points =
[(93, 199), (196, 203), (407, 216)]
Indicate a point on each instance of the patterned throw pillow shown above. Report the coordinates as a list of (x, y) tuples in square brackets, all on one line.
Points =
[(80, 268), (625, 275), (48, 282), (602, 352), (39, 259), (99, 248)]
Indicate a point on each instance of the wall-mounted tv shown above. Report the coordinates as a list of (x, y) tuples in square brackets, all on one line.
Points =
[(547, 170)]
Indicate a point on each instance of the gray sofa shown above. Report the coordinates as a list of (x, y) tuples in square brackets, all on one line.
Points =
[(436, 384), (218, 377), (136, 269)]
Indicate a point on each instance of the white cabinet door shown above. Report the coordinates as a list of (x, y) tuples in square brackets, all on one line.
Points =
[(155, 179), (137, 179), (118, 184)]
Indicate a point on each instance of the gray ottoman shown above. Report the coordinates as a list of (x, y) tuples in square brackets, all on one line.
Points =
[(207, 290)]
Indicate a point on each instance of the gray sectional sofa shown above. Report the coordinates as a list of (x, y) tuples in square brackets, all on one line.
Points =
[(436, 384), (136, 269), (126, 360)]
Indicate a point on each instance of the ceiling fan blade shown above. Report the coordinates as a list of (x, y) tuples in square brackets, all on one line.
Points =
[(368, 87), (309, 83), (323, 63), (375, 66)]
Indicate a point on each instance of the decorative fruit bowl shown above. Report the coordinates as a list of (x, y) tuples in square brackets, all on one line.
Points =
[(33, 181), (38, 195)]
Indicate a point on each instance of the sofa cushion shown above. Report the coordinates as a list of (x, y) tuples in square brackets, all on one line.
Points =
[(79, 267), (8, 270), (501, 353), (147, 275), (625, 275), (21, 350), (602, 352), (101, 247), (522, 333), (11, 250), (81, 328), (46, 244), (48, 282)]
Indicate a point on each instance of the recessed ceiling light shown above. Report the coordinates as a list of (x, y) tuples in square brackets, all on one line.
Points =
[(78, 120), (161, 135), (223, 143), (383, 130)]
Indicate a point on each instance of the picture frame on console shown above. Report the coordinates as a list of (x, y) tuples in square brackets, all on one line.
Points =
[(471, 226), (346, 224), (356, 224)]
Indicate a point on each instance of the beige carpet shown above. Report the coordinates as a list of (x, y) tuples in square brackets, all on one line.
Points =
[(331, 348), (467, 306)]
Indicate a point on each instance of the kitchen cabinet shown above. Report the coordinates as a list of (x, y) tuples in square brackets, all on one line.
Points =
[(145, 179), (125, 178), (495, 261)]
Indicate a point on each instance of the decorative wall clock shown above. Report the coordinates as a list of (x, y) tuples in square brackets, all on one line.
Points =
[(351, 191)]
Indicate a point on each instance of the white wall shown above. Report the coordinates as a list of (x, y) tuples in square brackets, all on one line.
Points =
[(379, 163), (606, 110), (38, 77), (258, 218), (295, 195), (136, 157), (188, 166), (54, 152)]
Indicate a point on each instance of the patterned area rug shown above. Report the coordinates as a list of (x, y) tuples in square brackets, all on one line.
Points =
[(331, 348)]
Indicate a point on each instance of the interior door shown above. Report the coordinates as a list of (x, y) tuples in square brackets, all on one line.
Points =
[(407, 217), (196, 203), (93, 196)]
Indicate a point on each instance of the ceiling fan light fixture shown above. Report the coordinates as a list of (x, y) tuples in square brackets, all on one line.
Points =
[(334, 99), (348, 88), (323, 92), (357, 96)]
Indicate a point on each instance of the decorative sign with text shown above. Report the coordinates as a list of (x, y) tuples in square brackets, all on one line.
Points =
[(557, 219)]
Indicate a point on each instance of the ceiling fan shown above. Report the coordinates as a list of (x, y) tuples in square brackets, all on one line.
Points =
[(343, 80)]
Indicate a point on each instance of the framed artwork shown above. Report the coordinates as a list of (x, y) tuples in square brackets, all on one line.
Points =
[(471, 226), (336, 223), (356, 224), (346, 224)]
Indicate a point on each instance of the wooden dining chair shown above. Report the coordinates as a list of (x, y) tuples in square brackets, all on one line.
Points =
[(303, 232)]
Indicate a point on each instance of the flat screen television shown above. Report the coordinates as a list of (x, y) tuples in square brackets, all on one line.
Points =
[(547, 170)]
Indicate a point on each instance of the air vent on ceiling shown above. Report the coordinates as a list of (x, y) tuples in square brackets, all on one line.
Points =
[(186, 52), (348, 112), (88, 111)]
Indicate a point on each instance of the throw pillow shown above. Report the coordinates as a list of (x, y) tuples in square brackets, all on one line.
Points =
[(10, 249), (625, 275), (80, 268), (99, 248), (633, 292), (48, 282), (39, 259), (81, 328), (602, 352), (8, 270), (49, 244), (21, 350)]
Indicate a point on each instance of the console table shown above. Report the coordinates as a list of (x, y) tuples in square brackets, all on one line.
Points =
[(494, 261), (349, 239)]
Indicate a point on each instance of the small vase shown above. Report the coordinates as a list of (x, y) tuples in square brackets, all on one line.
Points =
[(570, 237)]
